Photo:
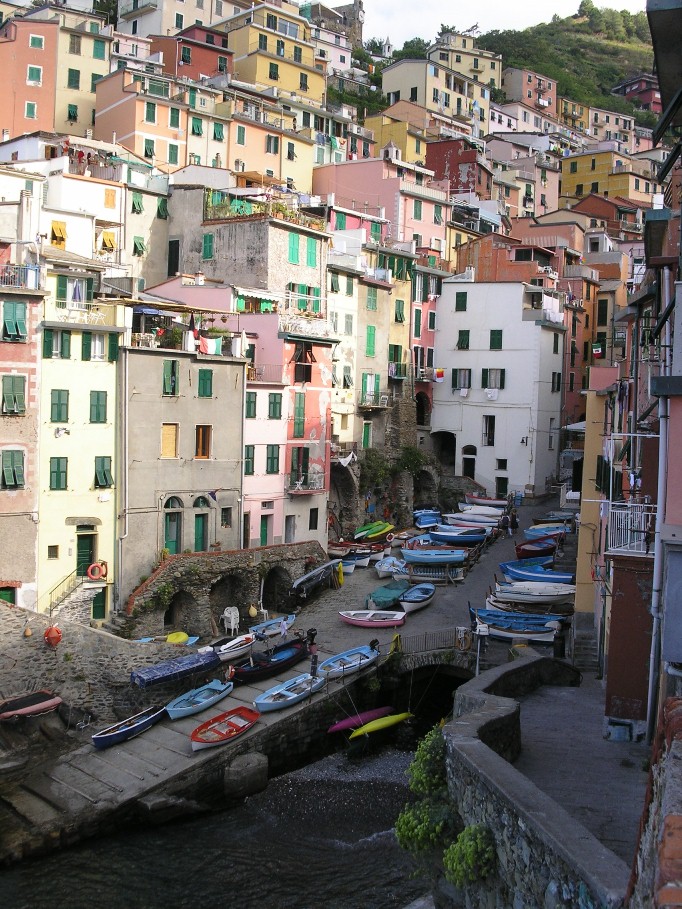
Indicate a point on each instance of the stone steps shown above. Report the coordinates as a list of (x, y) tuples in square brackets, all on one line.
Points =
[(586, 652)]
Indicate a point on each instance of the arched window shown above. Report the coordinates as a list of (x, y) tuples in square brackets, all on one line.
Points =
[(202, 502), (173, 502)]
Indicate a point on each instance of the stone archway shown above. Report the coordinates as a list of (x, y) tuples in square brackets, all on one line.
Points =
[(426, 485), (276, 586), (231, 590), (184, 614)]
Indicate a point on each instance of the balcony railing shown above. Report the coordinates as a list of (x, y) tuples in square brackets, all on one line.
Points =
[(631, 528), (85, 313), (374, 401), (136, 8), (425, 192), (302, 485), (269, 373), (23, 276)]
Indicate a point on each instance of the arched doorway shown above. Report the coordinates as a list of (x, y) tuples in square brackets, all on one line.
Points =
[(276, 587), (469, 461), (423, 405), (230, 590), (172, 525), (201, 524), (182, 614)]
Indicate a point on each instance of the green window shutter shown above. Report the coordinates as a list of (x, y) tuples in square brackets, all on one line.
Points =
[(299, 415), (65, 345), (113, 347), (272, 460), (303, 291), (496, 339), (275, 406), (334, 283), (375, 231), (484, 378), (174, 117), (249, 453), (207, 248), (59, 405), (241, 135), (172, 154), (455, 382), (502, 374), (197, 126), (103, 476), (417, 323), (14, 394), (89, 289), (349, 285), (48, 338), (62, 288), (58, 473), (218, 134), (311, 252), (86, 345), (400, 310), (371, 341), (98, 406), (371, 298), (162, 208), (98, 49), (293, 248), (250, 405), (340, 220), (316, 299), (205, 383), (137, 204), (461, 301), (169, 375), (192, 97)]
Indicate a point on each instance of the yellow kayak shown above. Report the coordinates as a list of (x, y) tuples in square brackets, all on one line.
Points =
[(177, 637), (383, 722)]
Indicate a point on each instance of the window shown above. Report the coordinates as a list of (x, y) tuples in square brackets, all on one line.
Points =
[(72, 113), (197, 126), (169, 440), (103, 475), (58, 473), (185, 54), (174, 118), (12, 469), (36, 41), (139, 248), (299, 415), (202, 442), (218, 133), (461, 301), (371, 298), (171, 371), (496, 339), (463, 339), (262, 42), (13, 321), (334, 282), (179, 19), (59, 406), (399, 310), (370, 341), (574, 167), (273, 72), (205, 385), (207, 247), (249, 456), (13, 394), (555, 343), (150, 112), (602, 311), (98, 407), (492, 378), (34, 75), (488, 430), (578, 189), (137, 206), (300, 458), (313, 519), (241, 135), (271, 21), (303, 82), (73, 79), (53, 552), (556, 381), (550, 444), (293, 248), (56, 344), (272, 459), (461, 378), (226, 517), (303, 358), (437, 214), (149, 147), (172, 154), (250, 405), (417, 209), (594, 187), (298, 55), (311, 252), (30, 110), (75, 44), (272, 145), (274, 406), (99, 49)]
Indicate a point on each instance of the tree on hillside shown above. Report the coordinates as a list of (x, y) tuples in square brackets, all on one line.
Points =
[(414, 49), (374, 46)]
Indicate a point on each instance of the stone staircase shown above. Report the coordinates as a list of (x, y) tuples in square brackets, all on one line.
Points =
[(586, 651), (77, 606)]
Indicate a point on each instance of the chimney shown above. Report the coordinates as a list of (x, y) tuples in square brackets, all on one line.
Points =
[(199, 279)]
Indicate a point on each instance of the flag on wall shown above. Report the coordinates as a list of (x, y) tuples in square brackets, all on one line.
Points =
[(192, 326), (211, 346), (439, 375), (597, 350)]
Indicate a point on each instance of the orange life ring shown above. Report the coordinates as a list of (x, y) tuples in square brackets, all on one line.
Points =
[(105, 569), (95, 572)]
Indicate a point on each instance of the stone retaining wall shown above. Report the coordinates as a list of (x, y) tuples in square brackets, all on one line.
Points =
[(546, 859)]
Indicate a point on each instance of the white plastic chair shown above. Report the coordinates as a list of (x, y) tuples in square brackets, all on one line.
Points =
[(230, 617)]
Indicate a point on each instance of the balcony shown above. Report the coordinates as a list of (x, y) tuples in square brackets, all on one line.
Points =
[(25, 277), (296, 484), (373, 401), (306, 325), (631, 528), (131, 9), (268, 374), (423, 374), (397, 371), (85, 313), (423, 192), (220, 206)]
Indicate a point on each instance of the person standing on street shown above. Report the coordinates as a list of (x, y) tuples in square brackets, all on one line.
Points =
[(513, 522)]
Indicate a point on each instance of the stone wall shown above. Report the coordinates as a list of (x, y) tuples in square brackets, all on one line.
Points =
[(546, 859)]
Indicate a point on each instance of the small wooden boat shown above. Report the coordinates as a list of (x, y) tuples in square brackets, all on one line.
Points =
[(387, 595), (373, 618), (544, 530), (517, 619), (384, 722), (432, 574), (417, 597), (32, 703), (366, 716), (490, 510), (546, 562), (349, 661), (374, 526), (557, 517), (386, 566), (309, 583), (461, 536), (474, 517), (562, 607), (514, 572), (472, 499), (545, 594), (230, 649), (128, 729), (289, 693), (544, 634), (380, 533), (338, 550), (530, 548), (348, 566), (174, 670), (438, 556), (223, 728), (272, 627), (198, 699), (265, 665), (424, 520), (361, 559), (461, 520)]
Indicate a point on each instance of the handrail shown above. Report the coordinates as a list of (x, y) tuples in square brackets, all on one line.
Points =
[(60, 591)]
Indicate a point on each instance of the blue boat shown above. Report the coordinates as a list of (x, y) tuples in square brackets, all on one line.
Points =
[(386, 596), (424, 519), (516, 620), (545, 561), (198, 699), (173, 670), (515, 572), (273, 626), (289, 693), (440, 556), (448, 533), (348, 662), (128, 729), (539, 531), (417, 597)]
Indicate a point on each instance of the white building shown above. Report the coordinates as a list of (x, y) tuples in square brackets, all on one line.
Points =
[(497, 396)]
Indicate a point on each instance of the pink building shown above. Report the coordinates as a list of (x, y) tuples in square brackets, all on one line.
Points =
[(461, 163), (28, 60)]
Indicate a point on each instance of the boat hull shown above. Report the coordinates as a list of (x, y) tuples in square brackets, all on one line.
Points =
[(32, 703), (434, 557), (373, 618), (199, 699), (128, 729), (348, 662), (472, 499), (418, 597), (288, 693), (265, 665), (384, 722), (272, 627), (223, 728)]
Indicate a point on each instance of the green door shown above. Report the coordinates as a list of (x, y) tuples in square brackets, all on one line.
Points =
[(200, 532), (85, 553), (366, 435), (8, 595), (264, 530), (172, 532), (99, 604)]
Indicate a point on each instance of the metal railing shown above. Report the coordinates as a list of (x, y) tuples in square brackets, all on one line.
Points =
[(269, 373), (631, 527), (311, 483), (61, 591), (26, 276)]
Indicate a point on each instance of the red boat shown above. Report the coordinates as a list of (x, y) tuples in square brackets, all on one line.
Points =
[(223, 728), (531, 548), (33, 703)]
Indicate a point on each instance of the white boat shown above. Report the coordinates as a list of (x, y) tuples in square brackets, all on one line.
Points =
[(491, 511), (535, 593), (348, 566), (385, 567), (417, 597), (373, 618), (463, 520), (273, 627), (538, 608), (228, 649)]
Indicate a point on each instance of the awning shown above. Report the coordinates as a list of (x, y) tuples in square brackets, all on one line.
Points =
[(274, 295), (576, 427), (148, 311)]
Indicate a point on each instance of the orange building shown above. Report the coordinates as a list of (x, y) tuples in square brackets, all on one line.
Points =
[(194, 53), (28, 59)]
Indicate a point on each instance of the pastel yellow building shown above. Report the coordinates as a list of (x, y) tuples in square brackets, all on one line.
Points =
[(272, 47), (573, 114), (410, 139), (459, 53), (608, 173)]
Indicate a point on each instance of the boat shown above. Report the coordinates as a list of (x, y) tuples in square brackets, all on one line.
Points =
[(307, 584), (288, 693), (348, 566), (545, 561), (360, 559), (373, 618), (360, 719), (268, 663), (380, 533), (128, 729), (471, 498), (198, 699), (424, 520), (562, 607), (434, 574), (439, 556), (474, 517), (462, 536), (387, 595), (532, 548), (31, 703), (230, 649), (517, 618), (386, 566), (417, 597), (537, 588), (338, 550), (514, 572), (461, 520), (361, 532), (223, 728), (540, 635), (174, 670), (176, 637), (540, 598), (349, 661), (272, 627), (557, 517), (545, 530), (384, 722), (491, 511)]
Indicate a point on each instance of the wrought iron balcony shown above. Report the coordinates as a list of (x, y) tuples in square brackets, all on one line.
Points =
[(631, 528), (23, 276), (304, 484)]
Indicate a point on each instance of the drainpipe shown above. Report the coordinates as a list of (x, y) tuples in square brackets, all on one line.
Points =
[(654, 657), (123, 472)]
